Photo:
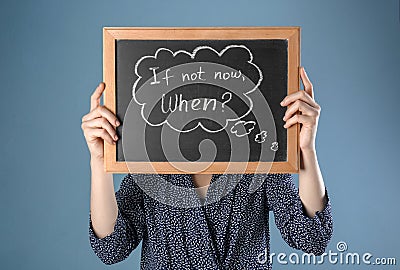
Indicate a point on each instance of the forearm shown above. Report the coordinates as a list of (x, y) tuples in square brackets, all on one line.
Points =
[(311, 183), (103, 204)]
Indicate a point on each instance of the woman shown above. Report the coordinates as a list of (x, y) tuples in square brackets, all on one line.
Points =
[(228, 234)]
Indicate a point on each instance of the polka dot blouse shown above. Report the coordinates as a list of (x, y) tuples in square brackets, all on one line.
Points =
[(229, 233)]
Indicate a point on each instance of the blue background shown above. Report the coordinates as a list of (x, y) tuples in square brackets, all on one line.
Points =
[(51, 60)]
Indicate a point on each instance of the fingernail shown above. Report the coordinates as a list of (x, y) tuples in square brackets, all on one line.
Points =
[(282, 102), (117, 123), (115, 137)]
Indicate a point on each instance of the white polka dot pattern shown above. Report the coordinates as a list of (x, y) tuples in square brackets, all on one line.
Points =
[(227, 234)]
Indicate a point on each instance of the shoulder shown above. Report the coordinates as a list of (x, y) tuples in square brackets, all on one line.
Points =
[(279, 177), (131, 183), (138, 182), (273, 178), (279, 182)]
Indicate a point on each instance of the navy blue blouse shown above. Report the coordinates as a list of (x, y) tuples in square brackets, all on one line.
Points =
[(229, 233)]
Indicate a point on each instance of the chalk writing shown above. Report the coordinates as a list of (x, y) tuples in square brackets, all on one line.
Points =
[(164, 91), (177, 102)]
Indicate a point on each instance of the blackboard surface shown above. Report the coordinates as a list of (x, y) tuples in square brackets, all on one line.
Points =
[(270, 56)]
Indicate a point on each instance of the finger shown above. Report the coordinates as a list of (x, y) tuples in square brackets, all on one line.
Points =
[(102, 111), (308, 87), (95, 133), (101, 123), (95, 97), (300, 95), (298, 118), (301, 106)]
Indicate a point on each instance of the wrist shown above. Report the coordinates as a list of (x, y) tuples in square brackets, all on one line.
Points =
[(308, 151), (96, 161)]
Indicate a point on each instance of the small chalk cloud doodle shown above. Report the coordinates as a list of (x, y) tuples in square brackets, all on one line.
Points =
[(243, 128), (260, 137), (274, 146)]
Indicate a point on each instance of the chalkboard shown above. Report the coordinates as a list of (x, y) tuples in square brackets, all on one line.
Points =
[(201, 100)]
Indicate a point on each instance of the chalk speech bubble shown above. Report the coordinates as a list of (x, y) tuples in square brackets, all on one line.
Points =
[(161, 79)]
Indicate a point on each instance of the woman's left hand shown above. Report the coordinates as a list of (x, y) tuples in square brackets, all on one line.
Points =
[(303, 102)]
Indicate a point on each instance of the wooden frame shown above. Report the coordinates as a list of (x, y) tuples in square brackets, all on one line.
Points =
[(291, 34)]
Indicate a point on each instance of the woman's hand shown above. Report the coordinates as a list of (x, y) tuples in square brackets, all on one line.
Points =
[(99, 125), (303, 102), (311, 182)]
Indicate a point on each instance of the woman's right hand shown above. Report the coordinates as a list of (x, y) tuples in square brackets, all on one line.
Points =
[(99, 125)]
